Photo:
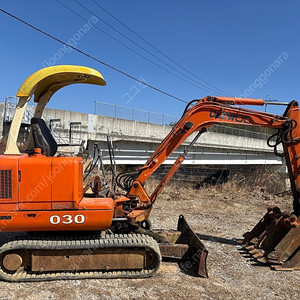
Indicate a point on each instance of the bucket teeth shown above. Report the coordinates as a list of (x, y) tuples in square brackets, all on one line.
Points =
[(275, 240), (262, 260), (251, 247), (255, 251), (259, 254), (273, 256), (255, 240)]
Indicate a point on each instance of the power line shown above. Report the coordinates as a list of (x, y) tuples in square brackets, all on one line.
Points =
[(131, 49), (207, 89), (151, 45), (91, 57)]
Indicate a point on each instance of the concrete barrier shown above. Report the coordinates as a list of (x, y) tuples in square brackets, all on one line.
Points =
[(135, 141)]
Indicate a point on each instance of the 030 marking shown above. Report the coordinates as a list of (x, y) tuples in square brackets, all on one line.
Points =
[(67, 219)]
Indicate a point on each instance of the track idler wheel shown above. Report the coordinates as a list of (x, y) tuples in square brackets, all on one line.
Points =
[(12, 262)]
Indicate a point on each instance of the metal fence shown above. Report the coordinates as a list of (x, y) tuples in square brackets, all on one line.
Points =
[(122, 112), (10, 104), (239, 132), (57, 131), (128, 113), (133, 114)]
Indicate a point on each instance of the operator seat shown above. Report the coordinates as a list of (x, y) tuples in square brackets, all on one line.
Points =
[(42, 137)]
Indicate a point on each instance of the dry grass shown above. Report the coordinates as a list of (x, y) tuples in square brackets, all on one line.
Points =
[(264, 180)]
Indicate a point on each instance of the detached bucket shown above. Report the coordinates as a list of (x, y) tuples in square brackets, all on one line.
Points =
[(275, 240), (185, 247)]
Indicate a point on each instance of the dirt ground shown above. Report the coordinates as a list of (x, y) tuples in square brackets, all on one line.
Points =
[(220, 215)]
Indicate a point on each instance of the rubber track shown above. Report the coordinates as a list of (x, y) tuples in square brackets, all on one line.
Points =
[(81, 242)]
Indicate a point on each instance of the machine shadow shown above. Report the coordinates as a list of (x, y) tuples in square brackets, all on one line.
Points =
[(216, 239)]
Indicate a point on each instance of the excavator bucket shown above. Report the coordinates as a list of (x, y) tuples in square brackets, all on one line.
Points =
[(185, 247), (272, 213), (287, 253), (275, 240)]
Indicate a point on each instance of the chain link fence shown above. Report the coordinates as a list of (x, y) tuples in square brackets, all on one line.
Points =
[(61, 135), (133, 114), (128, 113), (238, 132)]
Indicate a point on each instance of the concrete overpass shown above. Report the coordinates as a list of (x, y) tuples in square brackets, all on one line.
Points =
[(135, 141)]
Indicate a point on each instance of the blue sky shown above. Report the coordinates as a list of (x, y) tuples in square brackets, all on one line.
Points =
[(230, 44)]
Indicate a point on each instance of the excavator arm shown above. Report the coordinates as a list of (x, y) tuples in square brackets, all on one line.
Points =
[(275, 240), (198, 118)]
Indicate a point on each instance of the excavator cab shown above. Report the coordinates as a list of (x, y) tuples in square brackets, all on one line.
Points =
[(42, 187), (42, 85)]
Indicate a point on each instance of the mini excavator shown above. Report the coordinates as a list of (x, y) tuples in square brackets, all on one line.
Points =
[(71, 234)]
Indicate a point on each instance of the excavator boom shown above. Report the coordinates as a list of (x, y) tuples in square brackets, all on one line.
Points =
[(275, 239), (198, 118)]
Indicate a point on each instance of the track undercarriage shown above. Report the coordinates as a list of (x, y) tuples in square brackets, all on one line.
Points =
[(76, 256)]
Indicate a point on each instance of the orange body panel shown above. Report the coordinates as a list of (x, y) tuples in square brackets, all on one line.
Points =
[(38, 182), (42, 193), (99, 218), (67, 179), (35, 179)]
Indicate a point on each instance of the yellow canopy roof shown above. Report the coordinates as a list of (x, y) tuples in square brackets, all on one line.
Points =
[(54, 78)]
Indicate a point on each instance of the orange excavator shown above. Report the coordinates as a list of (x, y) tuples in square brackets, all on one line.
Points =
[(72, 234)]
